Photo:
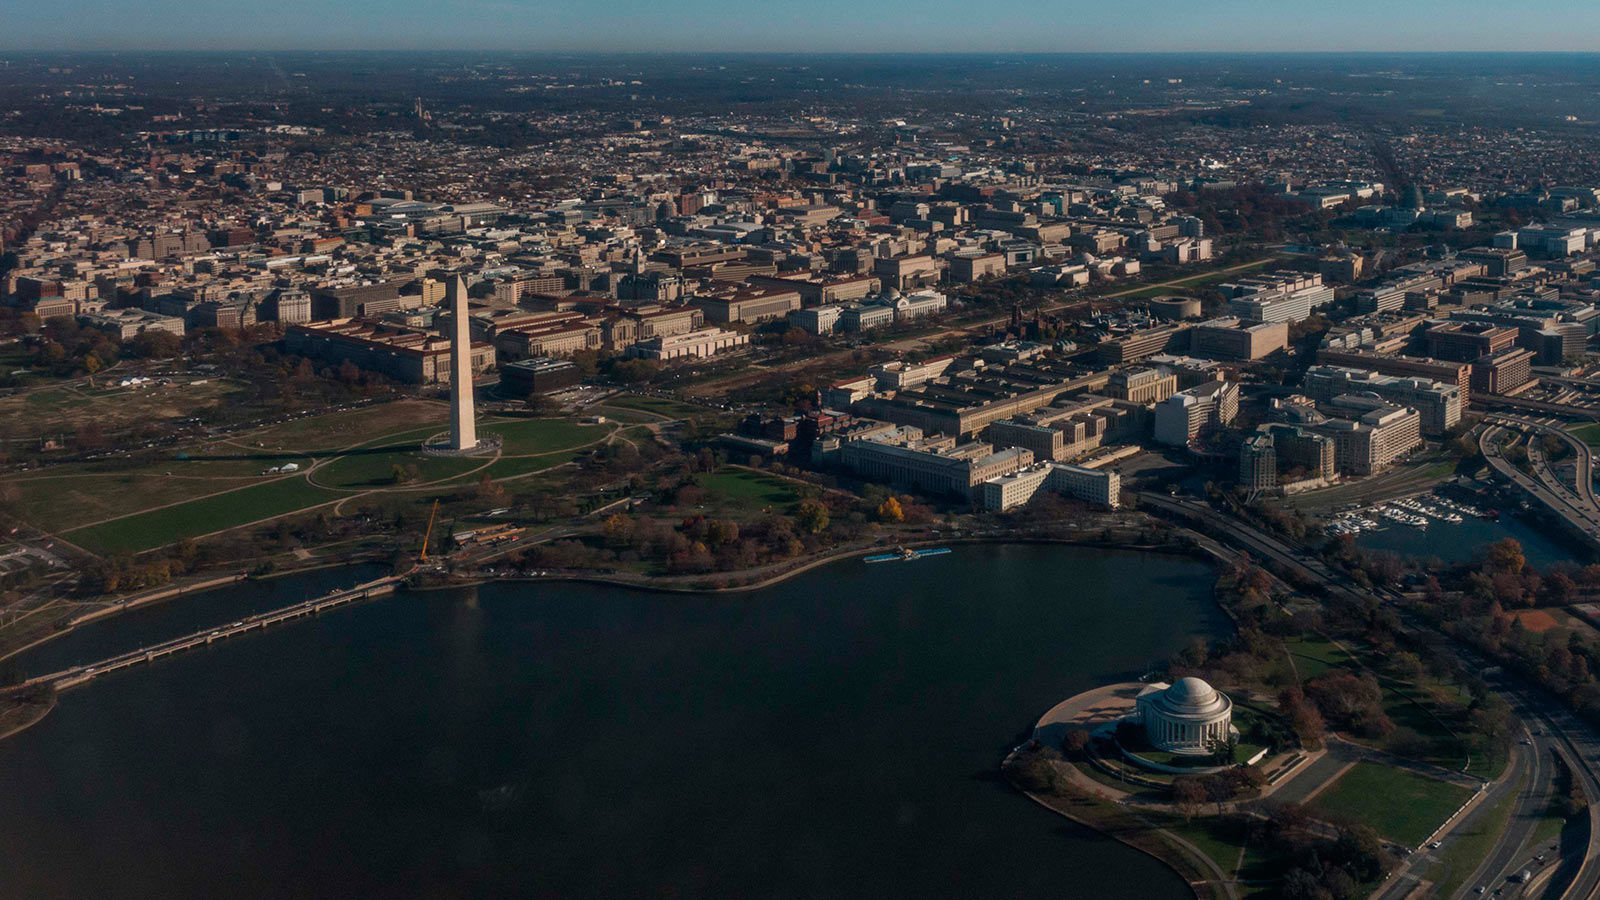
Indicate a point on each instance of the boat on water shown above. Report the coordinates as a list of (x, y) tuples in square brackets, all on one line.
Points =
[(905, 555)]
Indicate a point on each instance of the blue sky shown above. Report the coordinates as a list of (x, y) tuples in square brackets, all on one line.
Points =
[(796, 25)]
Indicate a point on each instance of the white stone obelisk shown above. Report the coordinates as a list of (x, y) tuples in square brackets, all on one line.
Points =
[(463, 428)]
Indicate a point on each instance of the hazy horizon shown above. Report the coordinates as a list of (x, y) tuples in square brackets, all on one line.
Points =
[(825, 26)]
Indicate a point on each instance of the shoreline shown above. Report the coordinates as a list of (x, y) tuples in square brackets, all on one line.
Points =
[(1197, 552), (1199, 881), (171, 592)]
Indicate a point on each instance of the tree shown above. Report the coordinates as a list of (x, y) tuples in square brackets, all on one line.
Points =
[(618, 530), (812, 516), (1506, 556), (488, 491), (889, 511), (1076, 741), (1188, 792), (157, 345)]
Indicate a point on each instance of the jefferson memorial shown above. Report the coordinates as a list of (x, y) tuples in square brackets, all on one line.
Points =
[(1188, 718)]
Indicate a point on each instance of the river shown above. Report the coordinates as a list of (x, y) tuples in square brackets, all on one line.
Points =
[(836, 735)]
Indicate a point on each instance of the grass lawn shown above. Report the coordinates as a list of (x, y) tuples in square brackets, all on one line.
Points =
[(373, 467), (522, 465), (146, 531), (1589, 434), (1408, 705), (65, 408), (748, 490), (74, 495), (335, 431), (1458, 861), (1400, 805), (1179, 285), (663, 407), (525, 437), (1223, 840), (1315, 656)]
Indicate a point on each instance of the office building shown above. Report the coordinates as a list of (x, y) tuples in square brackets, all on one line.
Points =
[(1437, 404), (1097, 486), (1181, 418)]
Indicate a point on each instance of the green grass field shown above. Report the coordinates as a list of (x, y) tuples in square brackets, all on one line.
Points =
[(526, 437), (158, 527), (1589, 434), (1399, 804), (1458, 861), (662, 407), (336, 431), (1226, 841), (373, 467), (73, 497), (749, 491), (1315, 656)]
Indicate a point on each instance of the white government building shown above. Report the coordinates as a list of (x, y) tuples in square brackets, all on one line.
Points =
[(1188, 718)]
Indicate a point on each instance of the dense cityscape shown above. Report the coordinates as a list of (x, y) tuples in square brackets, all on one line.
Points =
[(1167, 473)]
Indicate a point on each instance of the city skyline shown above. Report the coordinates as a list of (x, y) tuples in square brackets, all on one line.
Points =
[(1230, 26)]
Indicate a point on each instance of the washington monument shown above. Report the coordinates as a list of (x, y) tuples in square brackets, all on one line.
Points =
[(463, 430)]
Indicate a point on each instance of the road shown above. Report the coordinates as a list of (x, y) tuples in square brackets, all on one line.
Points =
[(1562, 731), (1581, 516)]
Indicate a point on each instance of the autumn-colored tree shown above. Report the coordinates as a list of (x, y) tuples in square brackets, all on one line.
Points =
[(618, 529), (889, 511)]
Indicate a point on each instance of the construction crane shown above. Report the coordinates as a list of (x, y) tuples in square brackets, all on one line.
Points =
[(429, 532)]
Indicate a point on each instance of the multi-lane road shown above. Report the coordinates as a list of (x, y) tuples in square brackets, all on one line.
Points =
[(1574, 504)]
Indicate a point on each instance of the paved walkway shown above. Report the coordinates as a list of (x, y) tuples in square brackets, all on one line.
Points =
[(1090, 709)]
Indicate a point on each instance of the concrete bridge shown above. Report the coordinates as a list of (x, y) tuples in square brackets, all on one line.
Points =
[(81, 674)]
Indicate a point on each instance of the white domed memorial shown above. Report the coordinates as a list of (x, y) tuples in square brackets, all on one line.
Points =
[(1189, 718)]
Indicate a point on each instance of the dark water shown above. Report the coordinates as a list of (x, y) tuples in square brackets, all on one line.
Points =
[(835, 736), (1468, 540), (152, 624)]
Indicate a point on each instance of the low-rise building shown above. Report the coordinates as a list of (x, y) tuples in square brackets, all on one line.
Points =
[(404, 354), (1142, 385), (935, 464), (1098, 486), (130, 323), (1236, 339), (704, 343), (539, 375)]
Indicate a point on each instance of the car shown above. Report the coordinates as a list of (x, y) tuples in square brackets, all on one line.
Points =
[(1478, 889), (1434, 845), (1525, 742)]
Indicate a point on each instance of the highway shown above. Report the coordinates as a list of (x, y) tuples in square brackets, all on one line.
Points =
[(1575, 506), (1562, 731)]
